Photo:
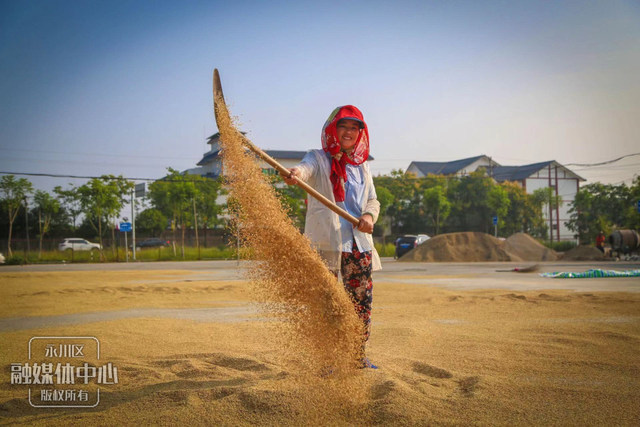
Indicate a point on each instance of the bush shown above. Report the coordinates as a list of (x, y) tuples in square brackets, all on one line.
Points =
[(17, 260), (151, 254), (562, 246), (387, 250)]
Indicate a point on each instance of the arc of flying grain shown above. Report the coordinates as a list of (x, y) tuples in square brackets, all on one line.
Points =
[(220, 108)]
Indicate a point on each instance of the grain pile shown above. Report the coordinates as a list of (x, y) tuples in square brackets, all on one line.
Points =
[(480, 247), (521, 246), (584, 253), (318, 321), (459, 247)]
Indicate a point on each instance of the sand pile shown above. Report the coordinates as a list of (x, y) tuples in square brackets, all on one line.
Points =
[(480, 247), (459, 247), (319, 324), (583, 253), (526, 248)]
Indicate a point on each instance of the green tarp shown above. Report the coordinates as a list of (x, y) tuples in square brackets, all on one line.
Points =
[(592, 273)]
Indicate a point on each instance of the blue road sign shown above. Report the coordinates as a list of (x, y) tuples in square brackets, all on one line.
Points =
[(125, 226), (495, 220), (639, 206)]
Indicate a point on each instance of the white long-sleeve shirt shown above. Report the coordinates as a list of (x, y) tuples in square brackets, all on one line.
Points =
[(322, 225)]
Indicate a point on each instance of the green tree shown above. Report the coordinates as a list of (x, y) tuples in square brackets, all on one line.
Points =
[(437, 206), (523, 215), (386, 199), (604, 207), (47, 207), (70, 200), (209, 210), (151, 221), (548, 202), (472, 207), (102, 200), (405, 210), (498, 201), (13, 193), (173, 196), (292, 199), (633, 216)]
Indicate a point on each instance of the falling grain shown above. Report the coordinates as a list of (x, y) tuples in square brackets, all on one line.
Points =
[(318, 320)]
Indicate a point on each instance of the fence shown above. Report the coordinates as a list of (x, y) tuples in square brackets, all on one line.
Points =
[(214, 238)]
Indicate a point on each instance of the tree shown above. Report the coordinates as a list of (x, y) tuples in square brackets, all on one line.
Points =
[(498, 201), (548, 202), (173, 196), (70, 200), (208, 208), (436, 205), (13, 192), (404, 211), (473, 208), (47, 206), (523, 215), (102, 199), (151, 221), (604, 207), (292, 199), (386, 199)]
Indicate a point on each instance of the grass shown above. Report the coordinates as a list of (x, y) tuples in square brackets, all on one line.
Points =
[(562, 246), (387, 250), (151, 254)]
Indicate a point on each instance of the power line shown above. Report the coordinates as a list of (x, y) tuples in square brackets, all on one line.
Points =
[(117, 178), (96, 154), (80, 163), (602, 163)]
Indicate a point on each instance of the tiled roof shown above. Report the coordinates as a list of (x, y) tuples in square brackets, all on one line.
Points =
[(208, 157), (518, 173), (445, 168)]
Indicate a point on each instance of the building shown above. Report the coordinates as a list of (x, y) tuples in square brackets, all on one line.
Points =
[(210, 165), (551, 174), (564, 183), (457, 167)]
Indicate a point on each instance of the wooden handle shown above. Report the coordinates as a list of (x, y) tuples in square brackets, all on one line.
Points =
[(220, 107)]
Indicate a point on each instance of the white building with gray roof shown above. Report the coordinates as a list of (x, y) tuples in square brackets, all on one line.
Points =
[(551, 174)]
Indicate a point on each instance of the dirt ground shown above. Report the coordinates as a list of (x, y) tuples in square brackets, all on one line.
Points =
[(191, 348)]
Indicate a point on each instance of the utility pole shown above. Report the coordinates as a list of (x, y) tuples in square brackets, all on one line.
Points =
[(195, 225), (26, 220), (133, 225)]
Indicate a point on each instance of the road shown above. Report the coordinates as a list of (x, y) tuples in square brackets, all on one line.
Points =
[(455, 276)]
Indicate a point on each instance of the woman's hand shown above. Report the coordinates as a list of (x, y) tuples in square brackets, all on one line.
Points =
[(366, 224), (291, 179)]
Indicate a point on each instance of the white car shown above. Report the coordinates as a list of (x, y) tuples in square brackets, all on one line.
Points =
[(1, 258), (77, 244)]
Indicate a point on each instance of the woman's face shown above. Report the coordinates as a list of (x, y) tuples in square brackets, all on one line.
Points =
[(347, 131)]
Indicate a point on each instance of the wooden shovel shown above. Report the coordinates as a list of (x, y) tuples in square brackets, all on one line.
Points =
[(220, 108)]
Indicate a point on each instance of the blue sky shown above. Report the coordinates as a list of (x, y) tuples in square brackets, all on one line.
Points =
[(124, 87)]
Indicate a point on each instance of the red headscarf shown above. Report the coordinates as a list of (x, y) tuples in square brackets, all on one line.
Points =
[(357, 155)]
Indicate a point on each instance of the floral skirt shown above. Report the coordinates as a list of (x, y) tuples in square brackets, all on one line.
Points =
[(355, 267)]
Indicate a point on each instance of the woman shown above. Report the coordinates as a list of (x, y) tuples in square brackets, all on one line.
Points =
[(340, 172)]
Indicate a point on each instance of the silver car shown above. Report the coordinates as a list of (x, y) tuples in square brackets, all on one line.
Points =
[(77, 244)]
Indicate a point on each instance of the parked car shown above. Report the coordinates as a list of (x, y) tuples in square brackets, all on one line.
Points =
[(405, 243), (153, 242), (1, 258), (77, 244)]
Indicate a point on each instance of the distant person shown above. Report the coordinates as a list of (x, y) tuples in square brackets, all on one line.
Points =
[(600, 239), (340, 172)]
